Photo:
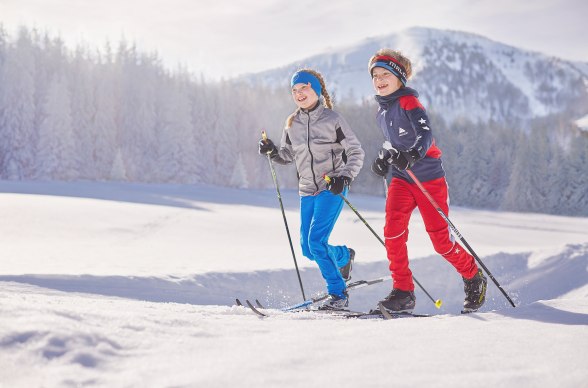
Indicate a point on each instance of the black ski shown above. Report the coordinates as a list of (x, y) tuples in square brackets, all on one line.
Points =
[(388, 315), (377, 314), (254, 309), (380, 314)]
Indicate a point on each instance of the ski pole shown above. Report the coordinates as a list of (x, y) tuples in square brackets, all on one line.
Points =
[(275, 178), (437, 302), (456, 232)]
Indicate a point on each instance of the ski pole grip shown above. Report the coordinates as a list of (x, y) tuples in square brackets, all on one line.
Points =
[(264, 138), (327, 178)]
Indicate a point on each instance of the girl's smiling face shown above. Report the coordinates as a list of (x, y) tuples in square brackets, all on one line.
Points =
[(304, 96), (384, 81)]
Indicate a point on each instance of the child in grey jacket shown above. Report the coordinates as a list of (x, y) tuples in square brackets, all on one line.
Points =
[(320, 142)]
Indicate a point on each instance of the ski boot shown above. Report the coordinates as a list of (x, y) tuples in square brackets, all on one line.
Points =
[(475, 290), (346, 269), (336, 302), (399, 301)]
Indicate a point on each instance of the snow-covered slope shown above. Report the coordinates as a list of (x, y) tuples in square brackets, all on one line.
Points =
[(120, 285), (61, 339), (458, 74)]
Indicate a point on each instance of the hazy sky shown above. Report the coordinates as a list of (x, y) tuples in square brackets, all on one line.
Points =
[(226, 38)]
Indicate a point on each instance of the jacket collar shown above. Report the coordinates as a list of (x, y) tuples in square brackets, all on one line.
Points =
[(314, 112), (386, 101)]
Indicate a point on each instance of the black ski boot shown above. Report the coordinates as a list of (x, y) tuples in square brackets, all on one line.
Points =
[(346, 269), (399, 301), (475, 290)]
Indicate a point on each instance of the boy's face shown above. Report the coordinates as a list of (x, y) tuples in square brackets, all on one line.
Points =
[(384, 81), (304, 95)]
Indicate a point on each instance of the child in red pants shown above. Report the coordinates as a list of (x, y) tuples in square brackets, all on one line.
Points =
[(410, 145)]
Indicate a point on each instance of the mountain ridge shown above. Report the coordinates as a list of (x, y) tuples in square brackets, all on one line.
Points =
[(458, 74)]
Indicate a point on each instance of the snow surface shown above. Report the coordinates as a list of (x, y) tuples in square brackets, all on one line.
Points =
[(129, 285)]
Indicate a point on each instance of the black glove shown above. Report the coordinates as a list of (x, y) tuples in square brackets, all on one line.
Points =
[(267, 147), (391, 156), (380, 166), (403, 160), (337, 184)]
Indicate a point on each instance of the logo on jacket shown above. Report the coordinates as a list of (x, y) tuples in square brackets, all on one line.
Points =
[(422, 122), (401, 132)]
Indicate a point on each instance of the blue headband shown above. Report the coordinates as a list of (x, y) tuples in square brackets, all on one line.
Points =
[(303, 77)]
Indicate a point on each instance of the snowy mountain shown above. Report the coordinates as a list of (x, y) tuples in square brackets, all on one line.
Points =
[(457, 74)]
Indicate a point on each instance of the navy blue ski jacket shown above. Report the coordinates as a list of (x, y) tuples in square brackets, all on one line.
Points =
[(405, 125)]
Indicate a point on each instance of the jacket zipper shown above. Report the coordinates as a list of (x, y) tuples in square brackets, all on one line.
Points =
[(333, 160), (310, 152)]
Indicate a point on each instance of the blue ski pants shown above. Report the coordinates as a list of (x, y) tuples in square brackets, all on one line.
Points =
[(318, 214)]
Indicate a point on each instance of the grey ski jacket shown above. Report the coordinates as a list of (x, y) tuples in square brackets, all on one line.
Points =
[(320, 142)]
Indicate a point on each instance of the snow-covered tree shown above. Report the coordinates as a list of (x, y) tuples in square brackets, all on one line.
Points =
[(83, 113), (17, 109), (239, 177), (55, 147), (176, 144), (136, 113), (118, 170), (103, 129)]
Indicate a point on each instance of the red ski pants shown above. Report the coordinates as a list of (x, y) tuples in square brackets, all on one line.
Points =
[(402, 199)]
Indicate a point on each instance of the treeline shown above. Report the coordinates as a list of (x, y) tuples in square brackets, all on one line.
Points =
[(119, 114)]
